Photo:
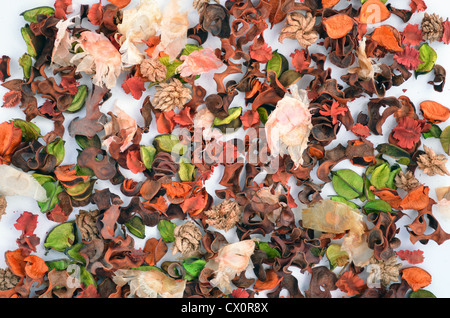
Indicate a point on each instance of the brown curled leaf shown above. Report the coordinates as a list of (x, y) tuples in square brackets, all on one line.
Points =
[(104, 166)]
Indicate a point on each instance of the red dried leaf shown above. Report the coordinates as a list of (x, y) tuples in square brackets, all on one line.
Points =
[(407, 132), (155, 249), (62, 7), (89, 292), (413, 257), (361, 130), (301, 60), (134, 85), (446, 35), (412, 35), (334, 111), (134, 162), (184, 118), (69, 84), (351, 283), (261, 53), (250, 119), (196, 203), (409, 58), (239, 293), (26, 223), (417, 5), (95, 14), (12, 98), (165, 122)]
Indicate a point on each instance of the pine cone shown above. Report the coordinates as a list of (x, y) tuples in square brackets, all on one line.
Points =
[(86, 221), (432, 164), (7, 279), (432, 27), (301, 28), (224, 216), (187, 239), (153, 70), (170, 95), (406, 181)]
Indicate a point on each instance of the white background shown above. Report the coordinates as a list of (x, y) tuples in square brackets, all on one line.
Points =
[(437, 257)]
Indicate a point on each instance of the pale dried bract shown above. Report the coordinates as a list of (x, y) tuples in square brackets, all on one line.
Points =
[(406, 181), (432, 27), (153, 70), (224, 216), (431, 163)]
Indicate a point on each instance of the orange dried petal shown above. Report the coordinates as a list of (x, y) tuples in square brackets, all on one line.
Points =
[(329, 3), (388, 37), (120, 3), (337, 26), (416, 277), (373, 11), (434, 111), (272, 281), (35, 267), (15, 261)]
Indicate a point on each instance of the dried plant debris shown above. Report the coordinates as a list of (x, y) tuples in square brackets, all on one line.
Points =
[(243, 238)]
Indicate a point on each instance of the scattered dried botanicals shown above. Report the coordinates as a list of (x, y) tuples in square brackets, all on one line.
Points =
[(289, 121)]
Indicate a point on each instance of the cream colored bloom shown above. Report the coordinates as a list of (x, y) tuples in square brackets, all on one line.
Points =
[(149, 284), (61, 54), (199, 62), (138, 24), (231, 260), (174, 27), (99, 57), (289, 125)]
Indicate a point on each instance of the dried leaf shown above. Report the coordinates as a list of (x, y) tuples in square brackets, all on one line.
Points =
[(412, 35), (338, 26), (434, 111), (409, 57), (135, 86), (413, 257), (373, 11), (416, 277), (351, 283)]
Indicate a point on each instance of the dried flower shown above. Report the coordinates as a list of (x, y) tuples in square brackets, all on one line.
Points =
[(99, 57), (170, 95), (289, 125), (153, 70), (225, 215), (187, 239), (406, 181), (173, 28), (149, 284), (432, 27), (432, 164), (199, 62), (7, 279), (61, 54), (383, 272), (231, 260), (16, 182), (138, 24), (367, 68), (301, 28)]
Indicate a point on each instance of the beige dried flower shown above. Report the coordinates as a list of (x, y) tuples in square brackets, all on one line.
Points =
[(383, 272), (86, 221), (432, 164), (7, 279), (224, 216), (170, 95), (406, 181), (187, 239), (153, 70), (432, 27), (300, 27)]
